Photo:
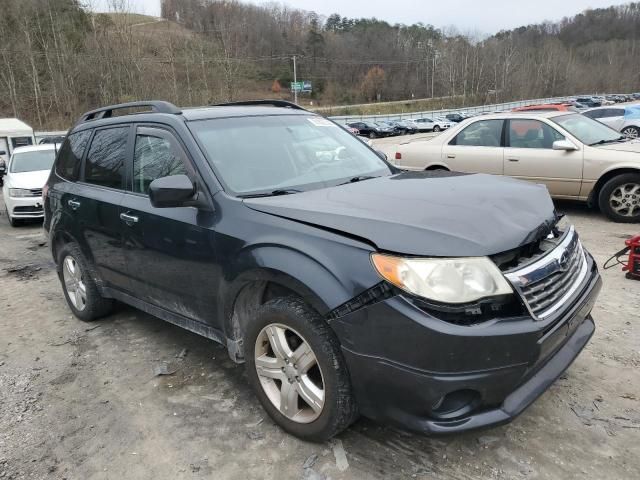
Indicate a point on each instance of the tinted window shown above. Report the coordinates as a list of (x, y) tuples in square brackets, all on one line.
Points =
[(21, 142), (531, 134), (70, 155), (105, 161), (155, 157), (484, 133), (615, 112)]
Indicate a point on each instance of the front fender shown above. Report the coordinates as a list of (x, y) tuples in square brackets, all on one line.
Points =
[(324, 280)]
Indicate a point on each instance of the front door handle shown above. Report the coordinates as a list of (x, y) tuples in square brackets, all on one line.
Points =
[(74, 204), (514, 159), (128, 219), (451, 155)]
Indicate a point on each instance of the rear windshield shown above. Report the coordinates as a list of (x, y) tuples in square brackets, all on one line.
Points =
[(32, 161), (266, 153)]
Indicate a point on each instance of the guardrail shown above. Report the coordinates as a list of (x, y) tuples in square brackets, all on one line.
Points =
[(497, 107)]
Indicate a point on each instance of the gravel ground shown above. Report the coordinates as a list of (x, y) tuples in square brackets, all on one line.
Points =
[(82, 401)]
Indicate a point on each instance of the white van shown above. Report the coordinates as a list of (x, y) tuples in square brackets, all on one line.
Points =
[(13, 134)]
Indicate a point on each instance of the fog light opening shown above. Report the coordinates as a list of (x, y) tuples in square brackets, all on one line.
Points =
[(455, 404)]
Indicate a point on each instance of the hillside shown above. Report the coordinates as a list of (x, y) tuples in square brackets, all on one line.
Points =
[(57, 59)]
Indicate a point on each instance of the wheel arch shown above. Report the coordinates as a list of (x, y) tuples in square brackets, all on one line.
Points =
[(437, 166), (276, 272), (604, 178)]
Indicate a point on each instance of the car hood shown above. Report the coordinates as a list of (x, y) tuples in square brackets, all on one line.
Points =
[(29, 180), (425, 213), (630, 146)]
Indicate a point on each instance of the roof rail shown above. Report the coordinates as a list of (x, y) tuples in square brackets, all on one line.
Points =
[(156, 106), (273, 103)]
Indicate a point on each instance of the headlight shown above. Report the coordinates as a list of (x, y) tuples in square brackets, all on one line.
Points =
[(445, 280), (19, 192)]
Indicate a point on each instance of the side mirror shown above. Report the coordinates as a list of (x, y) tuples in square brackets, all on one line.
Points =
[(172, 191), (2, 152), (382, 155), (565, 145)]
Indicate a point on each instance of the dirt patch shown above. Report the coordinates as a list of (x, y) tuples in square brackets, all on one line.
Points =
[(28, 271)]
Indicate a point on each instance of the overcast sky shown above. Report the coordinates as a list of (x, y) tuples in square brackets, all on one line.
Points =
[(482, 16)]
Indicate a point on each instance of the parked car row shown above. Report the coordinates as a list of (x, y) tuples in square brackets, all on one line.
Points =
[(388, 128)]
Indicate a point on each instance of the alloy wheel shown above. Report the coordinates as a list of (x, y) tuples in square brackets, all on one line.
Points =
[(625, 200), (289, 373), (631, 132), (74, 283)]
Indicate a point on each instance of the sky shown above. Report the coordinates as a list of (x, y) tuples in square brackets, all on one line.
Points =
[(467, 16)]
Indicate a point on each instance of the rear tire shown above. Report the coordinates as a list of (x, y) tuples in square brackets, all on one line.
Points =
[(631, 132), (619, 198), (291, 324), (79, 286), (372, 135)]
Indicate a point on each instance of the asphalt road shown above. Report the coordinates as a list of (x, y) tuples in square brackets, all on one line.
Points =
[(82, 401)]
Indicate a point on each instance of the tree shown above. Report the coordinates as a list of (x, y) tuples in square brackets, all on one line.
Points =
[(373, 83)]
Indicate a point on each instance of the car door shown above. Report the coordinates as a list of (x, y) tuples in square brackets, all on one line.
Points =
[(168, 250), (477, 148), (94, 203), (613, 117), (529, 155)]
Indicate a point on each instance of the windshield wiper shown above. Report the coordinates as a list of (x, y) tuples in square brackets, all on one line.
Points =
[(358, 179), (602, 142), (274, 193)]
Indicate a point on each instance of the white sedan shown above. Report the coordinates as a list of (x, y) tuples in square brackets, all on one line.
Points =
[(26, 174)]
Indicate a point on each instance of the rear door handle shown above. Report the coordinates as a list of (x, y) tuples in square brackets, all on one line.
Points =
[(74, 204), (451, 155), (128, 219), (513, 159)]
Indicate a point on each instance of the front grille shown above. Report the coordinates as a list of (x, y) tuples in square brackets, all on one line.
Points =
[(31, 209), (549, 281)]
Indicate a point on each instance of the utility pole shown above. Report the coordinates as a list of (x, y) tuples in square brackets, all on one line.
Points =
[(295, 82)]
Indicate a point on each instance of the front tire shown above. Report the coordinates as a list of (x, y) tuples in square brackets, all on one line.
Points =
[(631, 132), (436, 128), (79, 287), (295, 366), (619, 198), (12, 221)]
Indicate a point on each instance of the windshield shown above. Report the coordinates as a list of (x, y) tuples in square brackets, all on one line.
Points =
[(268, 153), (32, 161), (586, 130)]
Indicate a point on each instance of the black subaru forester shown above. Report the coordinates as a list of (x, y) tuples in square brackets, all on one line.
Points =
[(435, 301)]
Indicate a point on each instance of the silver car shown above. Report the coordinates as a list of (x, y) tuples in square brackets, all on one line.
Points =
[(624, 119)]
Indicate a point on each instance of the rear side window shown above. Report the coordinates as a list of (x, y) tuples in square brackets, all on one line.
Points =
[(484, 133), (105, 161), (70, 156), (157, 155)]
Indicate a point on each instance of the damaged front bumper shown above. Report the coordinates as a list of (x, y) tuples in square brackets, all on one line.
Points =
[(420, 373)]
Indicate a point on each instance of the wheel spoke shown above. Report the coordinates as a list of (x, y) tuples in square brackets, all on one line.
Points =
[(278, 341), (312, 395), (288, 399), (303, 358), (270, 367)]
